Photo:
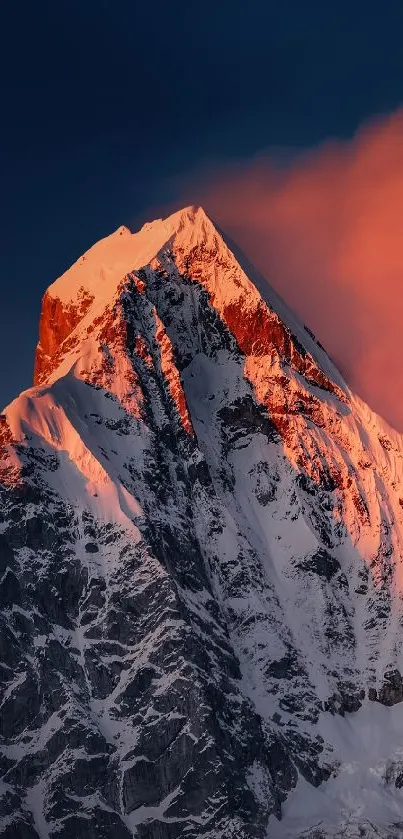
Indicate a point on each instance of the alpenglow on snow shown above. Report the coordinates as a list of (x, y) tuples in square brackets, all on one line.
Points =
[(201, 554)]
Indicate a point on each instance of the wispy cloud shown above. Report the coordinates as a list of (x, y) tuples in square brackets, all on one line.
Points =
[(326, 229)]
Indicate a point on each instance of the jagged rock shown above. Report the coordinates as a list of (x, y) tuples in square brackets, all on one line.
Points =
[(321, 563), (391, 691)]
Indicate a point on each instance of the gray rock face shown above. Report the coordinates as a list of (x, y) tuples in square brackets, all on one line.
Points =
[(199, 559)]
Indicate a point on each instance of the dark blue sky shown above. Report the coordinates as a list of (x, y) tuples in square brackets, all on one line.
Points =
[(105, 102)]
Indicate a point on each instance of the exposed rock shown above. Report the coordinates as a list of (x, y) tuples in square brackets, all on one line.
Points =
[(391, 691)]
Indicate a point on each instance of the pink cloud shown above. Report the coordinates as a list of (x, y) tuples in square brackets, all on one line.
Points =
[(327, 232)]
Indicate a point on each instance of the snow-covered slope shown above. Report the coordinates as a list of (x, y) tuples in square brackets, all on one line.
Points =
[(201, 552)]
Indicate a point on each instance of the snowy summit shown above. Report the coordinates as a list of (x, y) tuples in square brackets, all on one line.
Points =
[(201, 551)]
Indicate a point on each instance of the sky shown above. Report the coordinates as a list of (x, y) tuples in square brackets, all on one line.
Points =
[(113, 110), (326, 229)]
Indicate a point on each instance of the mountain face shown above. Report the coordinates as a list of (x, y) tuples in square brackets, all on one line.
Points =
[(201, 543)]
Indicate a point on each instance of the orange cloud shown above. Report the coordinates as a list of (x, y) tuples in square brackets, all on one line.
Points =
[(327, 232)]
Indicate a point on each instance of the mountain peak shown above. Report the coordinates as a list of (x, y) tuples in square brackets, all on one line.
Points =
[(201, 562), (191, 215), (187, 240), (93, 281), (187, 216), (105, 264)]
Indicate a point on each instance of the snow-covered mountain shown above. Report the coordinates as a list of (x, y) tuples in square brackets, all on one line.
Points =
[(201, 558)]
